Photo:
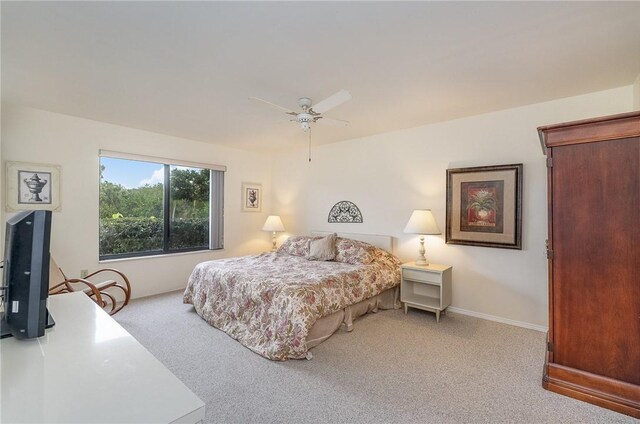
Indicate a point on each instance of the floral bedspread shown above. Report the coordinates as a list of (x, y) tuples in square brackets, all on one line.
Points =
[(269, 302)]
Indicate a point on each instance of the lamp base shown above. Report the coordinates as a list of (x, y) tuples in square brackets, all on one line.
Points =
[(421, 261), (273, 242)]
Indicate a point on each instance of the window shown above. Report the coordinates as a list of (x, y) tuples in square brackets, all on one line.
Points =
[(152, 206)]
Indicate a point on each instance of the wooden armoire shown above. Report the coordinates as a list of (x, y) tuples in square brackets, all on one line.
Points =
[(593, 250)]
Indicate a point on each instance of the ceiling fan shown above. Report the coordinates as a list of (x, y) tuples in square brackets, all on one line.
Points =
[(312, 113)]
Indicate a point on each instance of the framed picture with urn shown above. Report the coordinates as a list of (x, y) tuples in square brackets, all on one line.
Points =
[(484, 206), (32, 186), (251, 197)]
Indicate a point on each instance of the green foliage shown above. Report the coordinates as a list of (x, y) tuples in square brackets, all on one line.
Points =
[(131, 219), (130, 202), (131, 235), (189, 193), (190, 185), (191, 232)]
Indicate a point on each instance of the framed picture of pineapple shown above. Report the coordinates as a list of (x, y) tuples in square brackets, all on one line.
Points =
[(484, 206)]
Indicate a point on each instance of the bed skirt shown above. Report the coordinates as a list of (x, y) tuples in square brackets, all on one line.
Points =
[(326, 326)]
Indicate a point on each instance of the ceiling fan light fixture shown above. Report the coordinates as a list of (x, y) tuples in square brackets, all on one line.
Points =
[(304, 119), (309, 115)]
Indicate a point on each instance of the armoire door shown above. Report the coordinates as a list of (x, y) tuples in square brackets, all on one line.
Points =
[(595, 219)]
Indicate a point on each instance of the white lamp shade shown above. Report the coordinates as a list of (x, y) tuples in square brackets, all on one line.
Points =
[(422, 222), (273, 223)]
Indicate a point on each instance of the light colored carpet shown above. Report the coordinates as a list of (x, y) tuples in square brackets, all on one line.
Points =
[(393, 368)]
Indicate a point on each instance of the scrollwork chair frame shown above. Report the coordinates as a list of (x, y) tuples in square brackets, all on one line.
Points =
[(98, 292)]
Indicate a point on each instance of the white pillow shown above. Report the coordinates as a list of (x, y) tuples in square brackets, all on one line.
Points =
[(323, 249)]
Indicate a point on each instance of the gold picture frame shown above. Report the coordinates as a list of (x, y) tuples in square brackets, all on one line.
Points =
[(32, 186), (484, 206)]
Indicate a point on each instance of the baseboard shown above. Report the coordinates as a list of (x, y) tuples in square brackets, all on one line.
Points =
[(488, 317)]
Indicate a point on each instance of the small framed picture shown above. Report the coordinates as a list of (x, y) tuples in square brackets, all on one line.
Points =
[(251, 197), (484, 206), (32, 186)]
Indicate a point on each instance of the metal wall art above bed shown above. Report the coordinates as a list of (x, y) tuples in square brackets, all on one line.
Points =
[(345, 212)]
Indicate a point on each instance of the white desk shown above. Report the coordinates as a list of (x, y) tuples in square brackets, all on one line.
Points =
[(88, 369)]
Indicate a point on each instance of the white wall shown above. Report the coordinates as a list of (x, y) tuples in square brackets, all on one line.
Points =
[(38, 136), (636, 93), (389, 175)]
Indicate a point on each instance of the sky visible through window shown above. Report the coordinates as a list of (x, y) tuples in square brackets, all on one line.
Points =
[(134, 173), (122, 172)]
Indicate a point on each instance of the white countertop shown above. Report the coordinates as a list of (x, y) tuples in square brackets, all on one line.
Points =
[(87, 368)]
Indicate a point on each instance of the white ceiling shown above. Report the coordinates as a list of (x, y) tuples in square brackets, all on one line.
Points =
[(188, 68)]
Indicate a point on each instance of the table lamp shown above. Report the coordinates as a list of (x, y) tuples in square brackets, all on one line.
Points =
[(422, 222), (273, 224)]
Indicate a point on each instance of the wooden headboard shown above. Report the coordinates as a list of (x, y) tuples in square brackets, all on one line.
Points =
[(383, 242)]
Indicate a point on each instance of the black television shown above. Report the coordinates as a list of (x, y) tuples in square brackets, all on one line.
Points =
[(26, 275)]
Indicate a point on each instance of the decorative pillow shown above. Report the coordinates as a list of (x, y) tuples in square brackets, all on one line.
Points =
[(354, 252), (295, 245), (323, 249), (382, 256)]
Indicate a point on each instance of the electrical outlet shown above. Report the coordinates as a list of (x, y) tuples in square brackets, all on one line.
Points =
[(84, 273)]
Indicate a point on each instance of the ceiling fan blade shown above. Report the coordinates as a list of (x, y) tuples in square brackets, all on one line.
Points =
[(332, 101), (333, 122), (289, 111)]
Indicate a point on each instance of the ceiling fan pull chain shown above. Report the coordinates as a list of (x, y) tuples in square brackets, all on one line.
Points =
[(309, 144)]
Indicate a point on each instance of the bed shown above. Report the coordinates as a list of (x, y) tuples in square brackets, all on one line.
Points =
[(280, 304)]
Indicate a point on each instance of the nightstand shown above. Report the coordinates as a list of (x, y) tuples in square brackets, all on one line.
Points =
[(426, 287)]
